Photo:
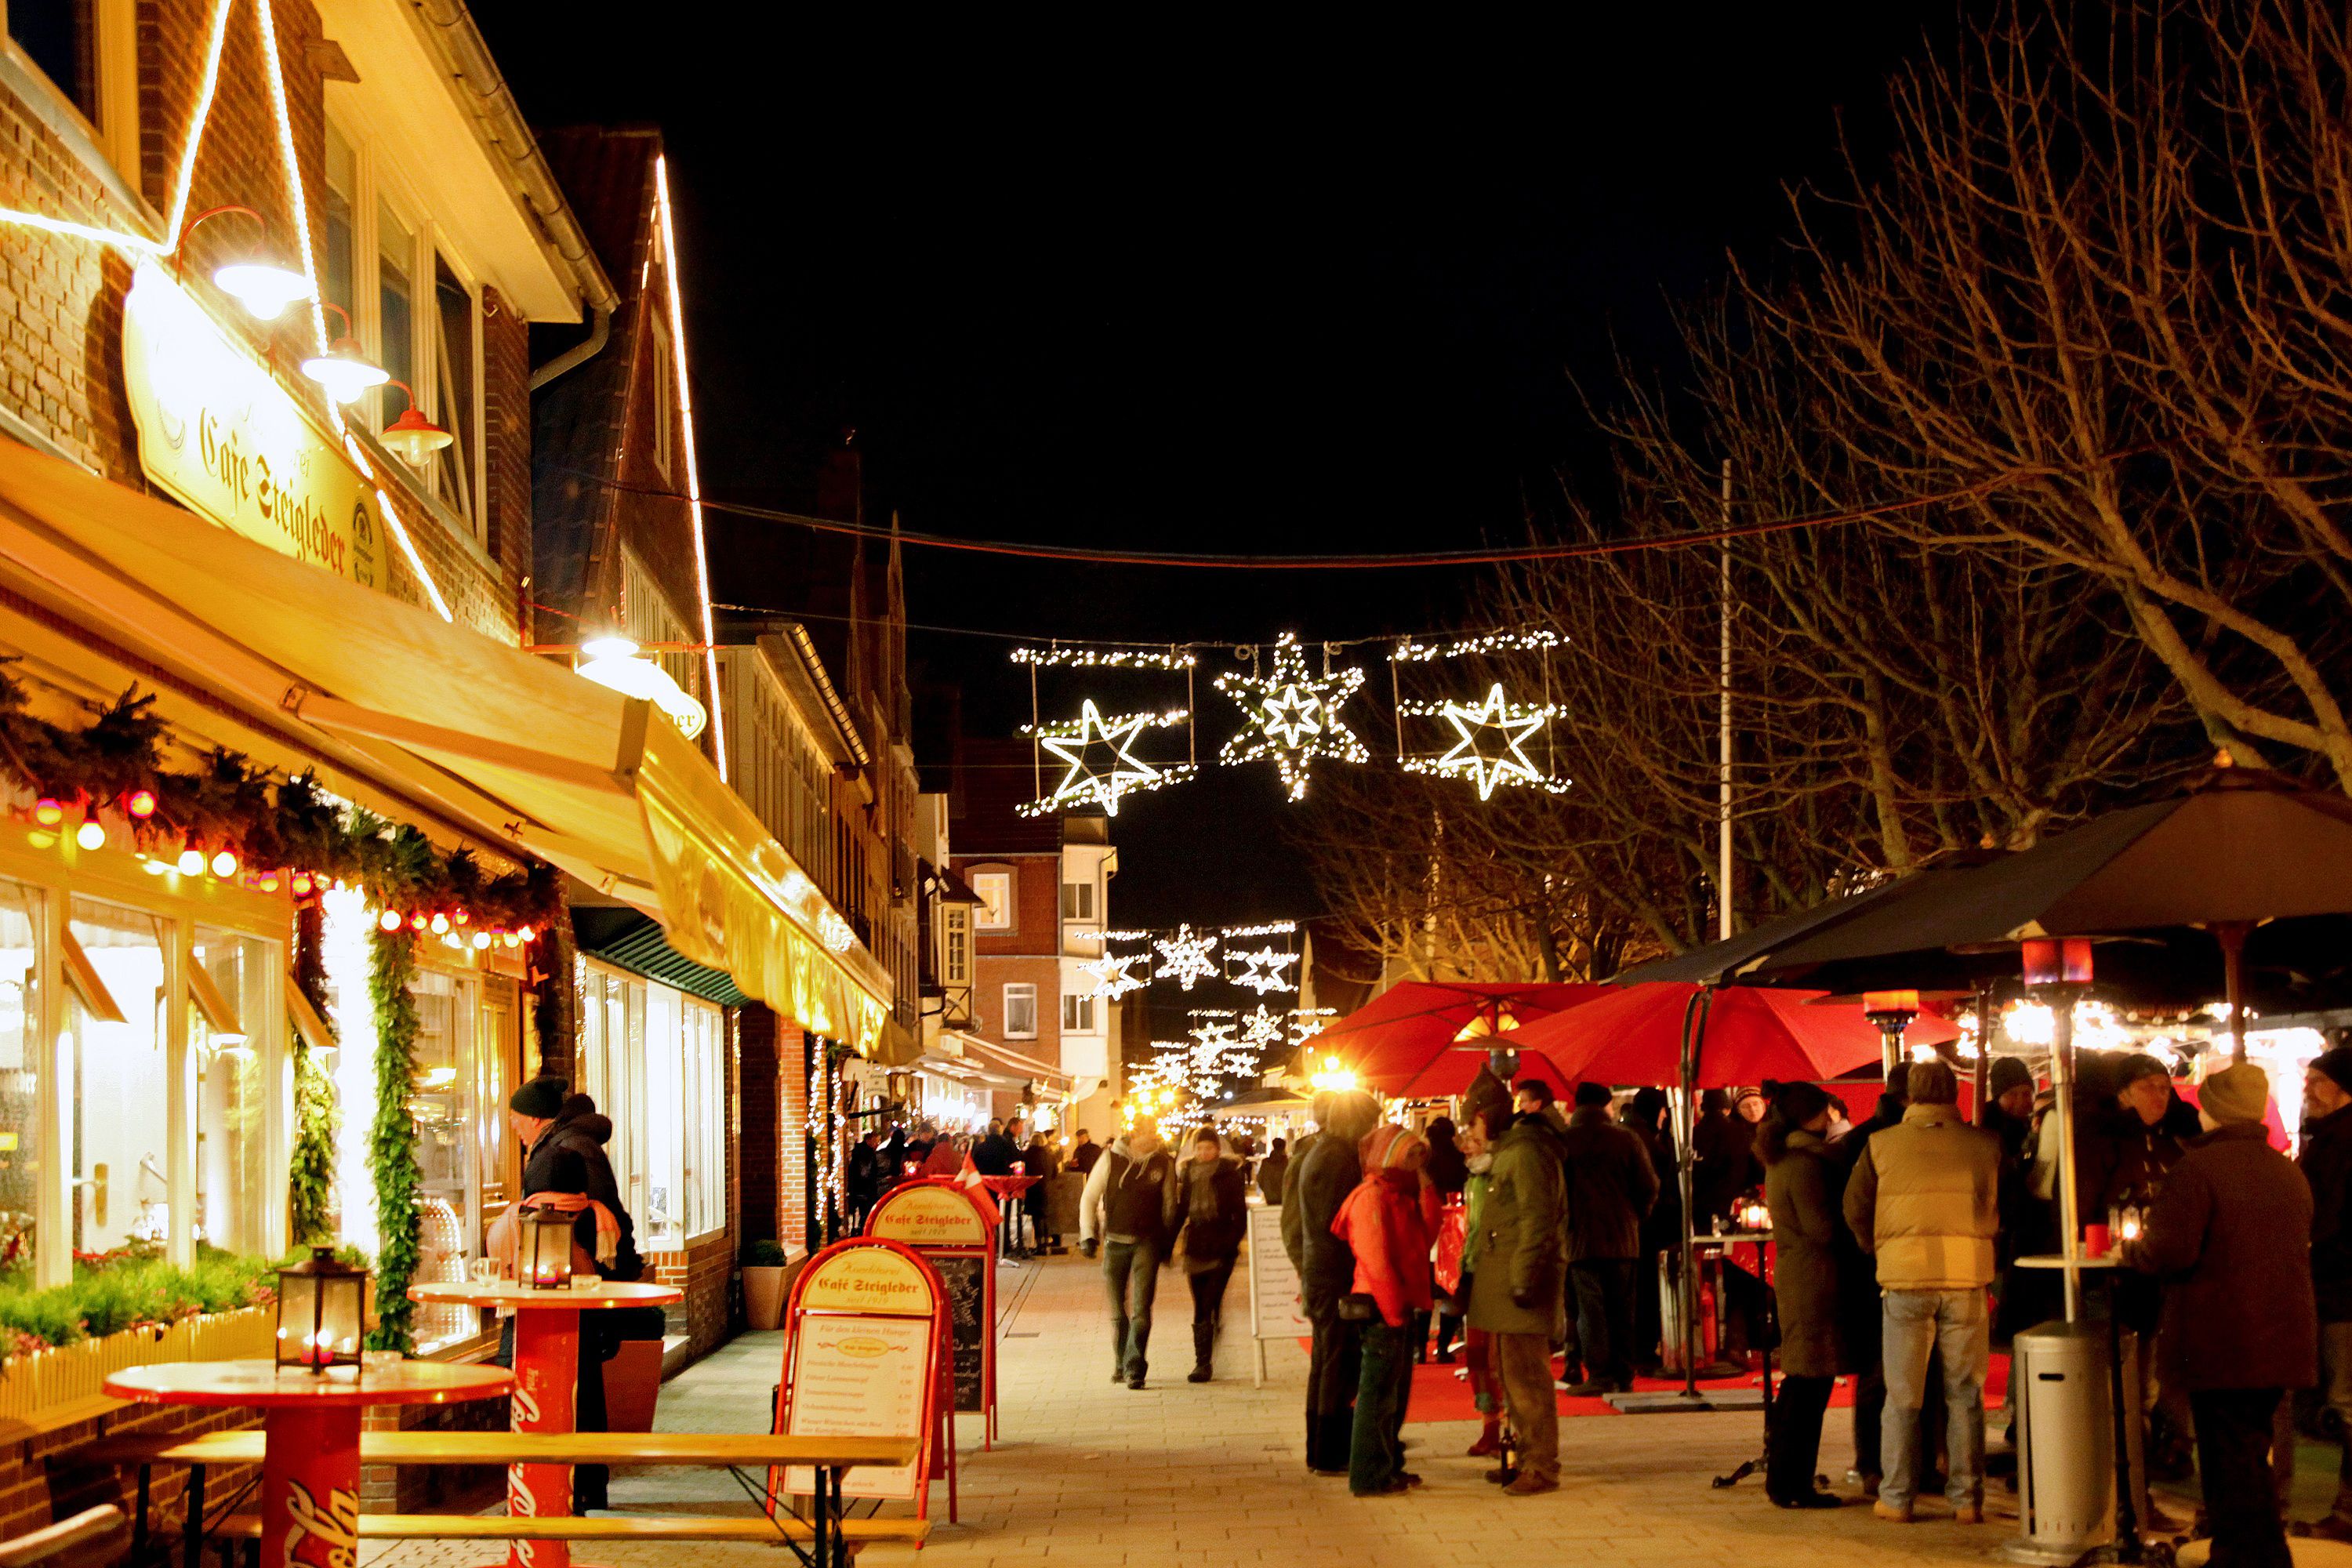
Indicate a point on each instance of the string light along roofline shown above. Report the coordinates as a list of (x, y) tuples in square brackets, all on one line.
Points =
[(1107, 657)]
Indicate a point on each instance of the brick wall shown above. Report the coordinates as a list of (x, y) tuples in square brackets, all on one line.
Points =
[(40, 1483), (753, 1173), (1037, 903), (705, 1270), (991, 974)]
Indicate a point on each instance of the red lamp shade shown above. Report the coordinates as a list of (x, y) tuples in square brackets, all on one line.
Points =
[(2057, 961), (414, 438)]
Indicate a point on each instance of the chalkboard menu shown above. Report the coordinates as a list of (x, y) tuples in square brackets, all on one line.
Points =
[(965, 1274)]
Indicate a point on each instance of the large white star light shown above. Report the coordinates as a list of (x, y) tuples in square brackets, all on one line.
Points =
[(1091, 779), (1112, 974), (1184, 957), (1291, 716), (1262, 970), (1490, 748)]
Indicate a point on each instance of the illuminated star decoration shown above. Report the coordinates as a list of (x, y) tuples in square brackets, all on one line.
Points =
[(1262, 1028), (1262, 970), (1184, 958), (1112, 973), (1306, 1023), (1292, 717), (1076, 743), (1492, 750)]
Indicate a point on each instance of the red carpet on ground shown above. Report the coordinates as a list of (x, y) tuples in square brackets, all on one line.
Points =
[(1439, 1395)]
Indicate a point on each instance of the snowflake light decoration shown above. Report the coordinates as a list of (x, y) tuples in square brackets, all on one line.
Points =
[(1261, 1028), (1113, 974), (1262, 970), (1306, 1023), (1291, 716), (1184, 957), (1087, 780), (1490, 750)]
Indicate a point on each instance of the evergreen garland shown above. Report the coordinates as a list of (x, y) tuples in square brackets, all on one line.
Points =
[(391, 1142), (317, 1119)]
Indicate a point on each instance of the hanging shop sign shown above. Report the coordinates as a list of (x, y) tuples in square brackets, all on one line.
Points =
[(220, 435)]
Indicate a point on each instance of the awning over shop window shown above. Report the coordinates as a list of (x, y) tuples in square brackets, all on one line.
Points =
[(628, 940), (482, 737)]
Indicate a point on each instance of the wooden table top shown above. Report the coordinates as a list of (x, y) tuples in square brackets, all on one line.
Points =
[(428, 1448), (509, 1296), (261, 1382)]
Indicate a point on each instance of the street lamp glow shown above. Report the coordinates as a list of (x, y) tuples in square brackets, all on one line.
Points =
[(263, 288)]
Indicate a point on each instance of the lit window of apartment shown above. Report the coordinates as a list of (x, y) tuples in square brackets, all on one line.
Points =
[(412, 303), (1077, 1015), (1020, 1011), (995, 891)]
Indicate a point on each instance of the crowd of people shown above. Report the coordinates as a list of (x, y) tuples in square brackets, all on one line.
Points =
[(1896, 1246)]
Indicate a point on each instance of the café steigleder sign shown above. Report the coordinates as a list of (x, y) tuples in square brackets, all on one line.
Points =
[(219, 433)]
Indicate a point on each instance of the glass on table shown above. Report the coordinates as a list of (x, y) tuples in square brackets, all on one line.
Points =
[(487, 1271)]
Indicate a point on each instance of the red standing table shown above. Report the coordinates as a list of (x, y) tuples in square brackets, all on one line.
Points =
[(547, 1378), (1008, 1192), (310, 1467)]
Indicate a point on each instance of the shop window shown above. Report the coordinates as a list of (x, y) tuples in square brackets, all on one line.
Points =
[(1077, 1015), (1020, 1012), (230, 986), (20, 1138), (120, 1183), (661, 1221), (1077, 900), (655, 1059), (444, 1090), (995, 909), (706, 1118)]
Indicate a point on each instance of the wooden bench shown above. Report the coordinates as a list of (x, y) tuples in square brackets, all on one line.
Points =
[(734, 1451)]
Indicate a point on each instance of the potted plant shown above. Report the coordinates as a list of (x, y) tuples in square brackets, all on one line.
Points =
[(764, 1267)]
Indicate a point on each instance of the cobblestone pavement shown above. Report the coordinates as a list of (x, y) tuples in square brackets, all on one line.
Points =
[(1088, 1472)]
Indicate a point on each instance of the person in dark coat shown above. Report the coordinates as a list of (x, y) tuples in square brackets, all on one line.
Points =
[(1611, 1187), (994, 1156), (2230, 1235), (1800, 1184), (1724, 1149), (1319, 1185), (1084, 1152), (1272, 1170), (1861, 1320), (1449, 1174), (1215, 1213), (861, 1178), (1645, 1118), (2122, 1165), (1039, 1160), (2326, 1157)]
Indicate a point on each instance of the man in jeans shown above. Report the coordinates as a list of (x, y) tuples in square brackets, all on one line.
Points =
[(1130, 1201), (1924, 1199), (1611, 1186)]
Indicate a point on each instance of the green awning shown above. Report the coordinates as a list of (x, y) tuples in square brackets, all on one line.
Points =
[(628, 939)]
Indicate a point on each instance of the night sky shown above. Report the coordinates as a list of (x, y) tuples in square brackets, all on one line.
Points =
[(1216, 287)]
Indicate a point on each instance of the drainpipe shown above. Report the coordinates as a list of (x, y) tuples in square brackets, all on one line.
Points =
[(579, 353)]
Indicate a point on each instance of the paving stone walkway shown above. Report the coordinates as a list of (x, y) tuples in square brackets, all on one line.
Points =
[(1090, 1472)]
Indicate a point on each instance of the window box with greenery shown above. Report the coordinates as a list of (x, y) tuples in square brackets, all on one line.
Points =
[(766, 1267)]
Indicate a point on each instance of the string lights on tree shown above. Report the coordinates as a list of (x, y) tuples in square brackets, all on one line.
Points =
[(1185, 957), (1292, 717), (1089, 781)]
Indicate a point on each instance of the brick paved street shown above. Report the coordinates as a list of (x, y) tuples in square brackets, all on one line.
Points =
[(1089, 1473)]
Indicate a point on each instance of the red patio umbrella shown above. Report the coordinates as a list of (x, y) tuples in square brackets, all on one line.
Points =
[(1633, 1035), (1421, 1040)]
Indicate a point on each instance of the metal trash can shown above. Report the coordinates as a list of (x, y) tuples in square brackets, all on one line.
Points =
[(2064, 1432)]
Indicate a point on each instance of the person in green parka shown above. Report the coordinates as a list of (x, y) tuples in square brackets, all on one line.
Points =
[(1515, 1291), (1477, 1346)]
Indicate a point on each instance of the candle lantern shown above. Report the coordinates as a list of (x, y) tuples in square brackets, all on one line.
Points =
[(545, 1263), (321, 1308)]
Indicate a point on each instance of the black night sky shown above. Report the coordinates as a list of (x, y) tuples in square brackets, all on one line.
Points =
[(1217, 287)]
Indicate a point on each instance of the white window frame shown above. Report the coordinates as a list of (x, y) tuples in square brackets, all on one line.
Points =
[(1024, 992), (697, 1059), (955, 945), (1078, 902), (379, 184), (993, 913), (1077, 1013)]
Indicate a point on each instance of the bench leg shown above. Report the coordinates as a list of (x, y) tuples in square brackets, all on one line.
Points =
[(139, 1520), (192, 1552)]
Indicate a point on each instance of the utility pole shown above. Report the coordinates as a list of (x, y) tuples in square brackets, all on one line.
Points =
[(1723, 776)]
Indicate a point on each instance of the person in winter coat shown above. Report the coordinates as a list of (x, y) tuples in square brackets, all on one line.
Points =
[(1389, 1223), (1800, 1185), (1131, 1201), (1319, 1184), (861, 1179), (1477, 1346), (2326, 1158), (1040, 1161), (1723, 1147), (2122, 1164), (1611, 1187), (1084, 1152), (1645, 1118), (2230, 1236), (1923, 1199), (994, 1156), (1515, 1294), (1858, 1314), (1215, 1213), (1272, 1170), (1449, 1169)]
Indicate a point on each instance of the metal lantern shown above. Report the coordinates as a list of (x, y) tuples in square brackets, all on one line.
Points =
[(544, 1262), (321, 1309)]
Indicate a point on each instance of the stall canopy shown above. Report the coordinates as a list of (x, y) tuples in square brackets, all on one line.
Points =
[(455, 729), (1635, 1035)]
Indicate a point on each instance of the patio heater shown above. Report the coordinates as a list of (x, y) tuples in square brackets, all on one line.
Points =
[(1892, 1011)]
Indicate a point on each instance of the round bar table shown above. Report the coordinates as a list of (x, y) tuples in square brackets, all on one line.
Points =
[(310, 1465), (547, 1379), (1008, 1192)]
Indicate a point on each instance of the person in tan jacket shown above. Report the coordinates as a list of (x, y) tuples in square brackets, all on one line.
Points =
[(1923, 1200)]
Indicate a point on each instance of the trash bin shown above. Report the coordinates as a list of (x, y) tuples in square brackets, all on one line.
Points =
[(2064, 1434)]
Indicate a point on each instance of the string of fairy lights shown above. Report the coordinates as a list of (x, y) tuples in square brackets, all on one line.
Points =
[(1295, 711)]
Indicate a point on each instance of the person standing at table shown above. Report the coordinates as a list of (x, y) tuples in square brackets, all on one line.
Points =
[(1084, 1152), (1131, 1201), (1040, 1161), (1272, 1170), (2326, 1158), (1799, 1184), (1517, 1287), (1661, 1227), (1611, 1187), (2230, 1234), (1215, 1212), (1924, 1200), (861, 1179), (1863, 1317), (1319, 1184)]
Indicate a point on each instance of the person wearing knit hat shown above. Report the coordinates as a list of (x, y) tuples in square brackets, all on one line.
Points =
[(1390, 1224), (541, 1099), (2324, 1152), (2230, 1235)]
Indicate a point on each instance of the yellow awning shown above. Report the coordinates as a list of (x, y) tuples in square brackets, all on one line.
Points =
[(511, 748)]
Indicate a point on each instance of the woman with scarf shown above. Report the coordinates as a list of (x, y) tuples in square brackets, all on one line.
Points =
[(1390, 1224), (1798, 1188), (1216, 1199)]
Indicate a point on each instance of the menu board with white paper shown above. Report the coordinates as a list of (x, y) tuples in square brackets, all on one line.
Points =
[(859, 1377)]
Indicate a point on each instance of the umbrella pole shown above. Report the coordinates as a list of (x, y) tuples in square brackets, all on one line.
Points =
[(1984, 1049), (2062, 1078), (1695, 1013), (2231, 934)]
